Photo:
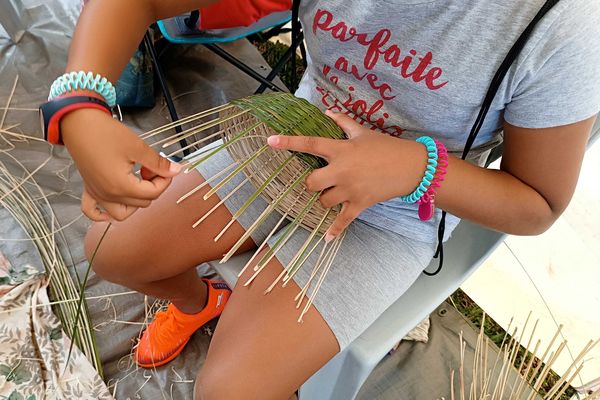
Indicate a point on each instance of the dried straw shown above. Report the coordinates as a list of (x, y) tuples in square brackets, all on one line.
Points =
[(33, 218), (527, 380)]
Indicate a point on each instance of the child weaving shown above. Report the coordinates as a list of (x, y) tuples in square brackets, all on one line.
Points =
[(389, 73)]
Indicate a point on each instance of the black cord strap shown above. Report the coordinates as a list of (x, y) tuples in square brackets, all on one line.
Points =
[(487, 103)]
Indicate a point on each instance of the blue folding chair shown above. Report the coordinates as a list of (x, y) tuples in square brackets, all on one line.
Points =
[(183, 30)]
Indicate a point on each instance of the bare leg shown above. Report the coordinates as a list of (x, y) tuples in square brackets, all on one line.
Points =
[(156, 250), (259, 350)]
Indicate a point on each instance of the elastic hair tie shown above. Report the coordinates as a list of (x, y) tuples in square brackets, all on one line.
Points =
[(432, 163), (427, 201), (73, 81)]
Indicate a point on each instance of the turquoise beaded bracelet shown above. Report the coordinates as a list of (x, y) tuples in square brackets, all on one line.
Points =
[(72, 81), (432, 154)]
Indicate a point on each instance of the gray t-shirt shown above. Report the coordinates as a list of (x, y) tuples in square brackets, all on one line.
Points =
[(416, 67)]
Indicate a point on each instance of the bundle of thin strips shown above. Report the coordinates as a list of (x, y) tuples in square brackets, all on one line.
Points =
[(33, 213), (278, 176), (492, 381)]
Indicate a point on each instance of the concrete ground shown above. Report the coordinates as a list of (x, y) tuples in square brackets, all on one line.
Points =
[(563, 264)]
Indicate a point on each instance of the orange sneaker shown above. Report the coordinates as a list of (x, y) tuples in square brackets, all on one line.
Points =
[(167, 335)]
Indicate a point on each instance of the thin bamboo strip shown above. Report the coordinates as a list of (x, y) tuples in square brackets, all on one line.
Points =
[(10, 97), (323, 255), (337, 244), (286, 235), (195, 163), (511, 360), (270, 208), (584, 351), (264, 244), (173, 139), (207, 181), (485, 389), (461, 371), (569, 382), (20, 135), (236, 171), (58, 302), (546, 352), (547, 368), (476, 361), (288, 275), (61, 284), (299, 258), (220, 203), (19, 109), (196, 143), (505, 357), (452, 384), (207, 125), (521, 386), (185, 120), (291, 228), (526, 352)]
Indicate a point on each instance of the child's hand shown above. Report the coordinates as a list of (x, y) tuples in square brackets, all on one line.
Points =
[(366, 169), (105, 152)]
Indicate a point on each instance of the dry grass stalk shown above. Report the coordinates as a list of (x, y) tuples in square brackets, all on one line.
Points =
[(33, 216), (37, 218), (528, 380), (244, 125)]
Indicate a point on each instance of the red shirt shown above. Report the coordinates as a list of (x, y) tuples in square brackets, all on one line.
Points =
[(235, 13)]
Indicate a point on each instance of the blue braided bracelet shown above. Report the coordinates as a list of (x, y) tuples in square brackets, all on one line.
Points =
[(72, 81), (429, 143)]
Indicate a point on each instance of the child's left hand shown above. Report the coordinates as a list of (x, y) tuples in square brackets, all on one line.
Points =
[(368, 168)]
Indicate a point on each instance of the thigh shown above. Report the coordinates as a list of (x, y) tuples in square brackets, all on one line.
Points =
[(371, 270), (259, 350), (159, 241)]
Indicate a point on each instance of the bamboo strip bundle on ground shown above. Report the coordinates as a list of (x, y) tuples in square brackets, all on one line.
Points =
[(34, 213)]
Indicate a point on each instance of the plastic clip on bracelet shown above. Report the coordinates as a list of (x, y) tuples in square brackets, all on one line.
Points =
[(76, 81), (432, 154), (427, 201)]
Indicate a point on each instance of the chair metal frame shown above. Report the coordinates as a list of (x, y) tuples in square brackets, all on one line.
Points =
[(266, 82)]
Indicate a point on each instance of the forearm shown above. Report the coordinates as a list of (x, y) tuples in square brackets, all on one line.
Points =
[(109, 31), (495, 199)]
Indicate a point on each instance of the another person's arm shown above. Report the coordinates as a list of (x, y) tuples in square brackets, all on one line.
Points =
[(105, 151)]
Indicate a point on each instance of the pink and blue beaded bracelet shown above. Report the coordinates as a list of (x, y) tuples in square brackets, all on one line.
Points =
[(435, 171), (432, 154)]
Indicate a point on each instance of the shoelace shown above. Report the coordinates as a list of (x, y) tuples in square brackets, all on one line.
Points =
[(168, 326)]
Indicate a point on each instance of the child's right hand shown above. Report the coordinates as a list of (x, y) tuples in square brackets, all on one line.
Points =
[(105, 152)]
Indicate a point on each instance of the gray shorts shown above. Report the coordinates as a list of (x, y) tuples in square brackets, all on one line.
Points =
[(373, 268)]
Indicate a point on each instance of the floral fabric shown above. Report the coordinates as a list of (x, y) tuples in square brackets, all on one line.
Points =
[(33, 347)]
